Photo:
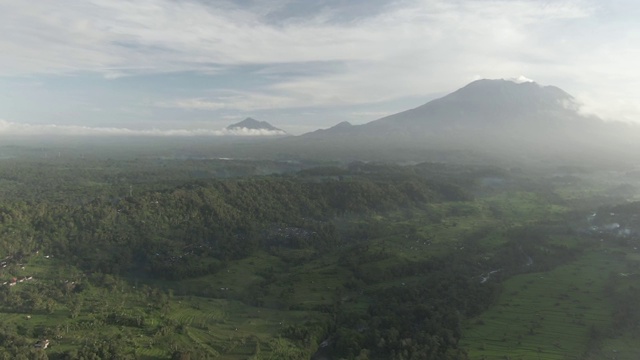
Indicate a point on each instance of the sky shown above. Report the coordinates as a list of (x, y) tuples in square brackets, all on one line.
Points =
[(180, 67)]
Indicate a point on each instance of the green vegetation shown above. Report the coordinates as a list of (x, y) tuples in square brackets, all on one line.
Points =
[(205, 259)]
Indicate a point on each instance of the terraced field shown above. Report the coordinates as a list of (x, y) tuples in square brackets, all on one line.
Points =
[(224, 328), (547, 315)]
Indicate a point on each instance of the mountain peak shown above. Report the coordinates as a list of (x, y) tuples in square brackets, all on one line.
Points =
[(513, 86), (344, 124), (255, 125), (506, 99), (499, 117)]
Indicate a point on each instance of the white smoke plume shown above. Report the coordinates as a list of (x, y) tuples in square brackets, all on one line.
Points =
[(520, 79)]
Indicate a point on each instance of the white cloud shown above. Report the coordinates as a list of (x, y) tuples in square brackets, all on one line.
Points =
[(278, 96), (253, 132), (12, 128), (618, 107), (413, 48), (233, 100), (165, 35)]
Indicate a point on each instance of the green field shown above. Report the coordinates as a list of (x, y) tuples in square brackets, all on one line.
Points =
[(551, 315)]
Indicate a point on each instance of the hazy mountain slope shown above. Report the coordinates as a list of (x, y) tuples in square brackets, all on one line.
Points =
[(484, 103), (496, 118)]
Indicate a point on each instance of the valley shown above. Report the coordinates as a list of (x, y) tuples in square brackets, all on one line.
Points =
[(345, 261)]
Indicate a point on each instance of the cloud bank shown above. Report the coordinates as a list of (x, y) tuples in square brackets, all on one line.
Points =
[(20, 129)]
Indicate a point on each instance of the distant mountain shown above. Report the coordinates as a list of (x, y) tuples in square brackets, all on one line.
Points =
[(255, 125), (496, 117), (490, 105)]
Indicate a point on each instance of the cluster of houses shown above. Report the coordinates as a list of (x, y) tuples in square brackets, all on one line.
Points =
[(618, 225), (16, 280)]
